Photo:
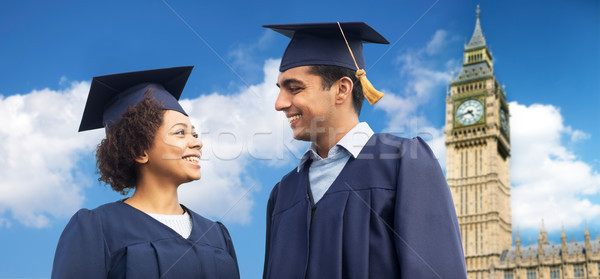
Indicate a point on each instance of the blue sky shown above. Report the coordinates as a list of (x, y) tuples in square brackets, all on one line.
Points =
[(547, 53)]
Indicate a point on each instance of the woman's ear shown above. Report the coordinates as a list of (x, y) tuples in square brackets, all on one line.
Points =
[(142, 159), (344, 92)]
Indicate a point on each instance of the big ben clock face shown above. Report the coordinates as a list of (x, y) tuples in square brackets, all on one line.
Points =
[(469, 112)]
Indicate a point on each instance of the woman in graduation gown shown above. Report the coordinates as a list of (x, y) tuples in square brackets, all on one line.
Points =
[(151, 148)]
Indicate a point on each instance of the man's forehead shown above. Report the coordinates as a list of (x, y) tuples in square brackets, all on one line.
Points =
[(297, 73)]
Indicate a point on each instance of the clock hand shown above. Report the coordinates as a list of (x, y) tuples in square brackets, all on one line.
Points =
[(468, 112)]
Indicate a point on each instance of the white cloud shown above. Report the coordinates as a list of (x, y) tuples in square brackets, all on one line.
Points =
[(243, 59), (424, 81), (41, 149), (440, 37), (39, 152), (5, 223), (549, 182), (577, 135)]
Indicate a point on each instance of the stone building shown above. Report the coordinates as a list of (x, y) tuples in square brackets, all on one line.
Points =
[(553, 261), (477, 132)]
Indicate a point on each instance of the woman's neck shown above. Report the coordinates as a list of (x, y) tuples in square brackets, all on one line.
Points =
[(155, 199)]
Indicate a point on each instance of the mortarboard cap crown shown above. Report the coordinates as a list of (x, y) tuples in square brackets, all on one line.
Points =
[(323, 44), (111, 95)]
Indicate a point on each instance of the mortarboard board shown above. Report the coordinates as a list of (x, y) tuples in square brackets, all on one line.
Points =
[(333, 43), (323, 43), (111, 95)]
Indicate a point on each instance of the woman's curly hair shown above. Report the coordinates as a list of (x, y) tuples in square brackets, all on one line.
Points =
[(127, 140)]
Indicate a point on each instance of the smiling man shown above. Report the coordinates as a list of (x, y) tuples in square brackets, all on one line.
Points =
[(359, 204)]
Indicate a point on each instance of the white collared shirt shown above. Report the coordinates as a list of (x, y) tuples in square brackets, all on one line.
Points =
[(323, 171)]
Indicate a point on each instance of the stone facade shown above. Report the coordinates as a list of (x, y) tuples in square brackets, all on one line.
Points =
[(478, 156), (477, 131), (552, 261)]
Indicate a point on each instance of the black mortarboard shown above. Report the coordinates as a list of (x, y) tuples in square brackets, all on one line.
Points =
[(333, 43), (111, 95), (323, 43)]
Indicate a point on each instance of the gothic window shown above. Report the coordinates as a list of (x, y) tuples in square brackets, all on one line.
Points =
[(555, 272), (481, 238), (461, 164), (578, 271), (531, 273), (466, 163), (475, 174), (508, 274), (475, 200), (481, 200), (480, 160), (467, 202), (466, 241), (476, 239), (461, 201)]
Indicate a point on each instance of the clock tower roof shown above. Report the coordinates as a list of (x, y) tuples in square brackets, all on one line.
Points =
[(477, 40), (477, 63)]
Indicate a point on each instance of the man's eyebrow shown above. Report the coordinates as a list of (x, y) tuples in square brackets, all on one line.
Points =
[(289, 81)]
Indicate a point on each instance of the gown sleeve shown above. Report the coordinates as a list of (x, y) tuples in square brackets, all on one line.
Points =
[(270, 205), (428, 240), (81, 250), (230, 248)]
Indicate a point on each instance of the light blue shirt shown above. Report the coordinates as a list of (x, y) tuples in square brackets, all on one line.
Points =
[(323, 172)]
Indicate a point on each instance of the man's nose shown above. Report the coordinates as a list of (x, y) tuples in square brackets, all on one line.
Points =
[(283, 101)]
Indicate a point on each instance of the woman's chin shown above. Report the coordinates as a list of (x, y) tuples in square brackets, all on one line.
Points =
[(195, 177)]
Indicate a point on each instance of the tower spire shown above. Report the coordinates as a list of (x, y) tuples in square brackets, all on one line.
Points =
[(543, 237), (477, 61), (477, 40)]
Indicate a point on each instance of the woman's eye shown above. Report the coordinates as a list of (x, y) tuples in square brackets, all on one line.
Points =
[(195, 135), (180, 132)]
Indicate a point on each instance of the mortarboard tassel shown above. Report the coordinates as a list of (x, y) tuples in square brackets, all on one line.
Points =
[(371, 94)]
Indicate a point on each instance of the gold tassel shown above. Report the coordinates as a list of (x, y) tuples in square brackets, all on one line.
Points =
[(372, 95)]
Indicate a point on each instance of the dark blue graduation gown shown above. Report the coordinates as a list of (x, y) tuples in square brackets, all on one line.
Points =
[(116, 240), (389, 214)]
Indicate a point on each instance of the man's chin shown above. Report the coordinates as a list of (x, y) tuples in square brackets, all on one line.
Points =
[(300, 135)]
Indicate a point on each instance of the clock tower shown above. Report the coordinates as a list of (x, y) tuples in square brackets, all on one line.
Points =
[(478, 152)]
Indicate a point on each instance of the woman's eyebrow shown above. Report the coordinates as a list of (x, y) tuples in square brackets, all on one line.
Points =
[(182, 124)]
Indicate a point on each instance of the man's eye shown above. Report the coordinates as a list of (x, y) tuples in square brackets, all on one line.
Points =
[(195, 135), (295, 89)]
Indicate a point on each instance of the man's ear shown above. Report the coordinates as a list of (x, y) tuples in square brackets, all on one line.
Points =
[(142, 159), (344, 93)]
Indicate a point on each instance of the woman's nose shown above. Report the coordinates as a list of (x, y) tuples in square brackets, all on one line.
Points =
[(196, 144)]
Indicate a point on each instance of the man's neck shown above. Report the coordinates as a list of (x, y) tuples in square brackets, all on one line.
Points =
[(332, 136)]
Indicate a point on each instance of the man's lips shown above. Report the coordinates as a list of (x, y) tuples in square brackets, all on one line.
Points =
[(293, 117)]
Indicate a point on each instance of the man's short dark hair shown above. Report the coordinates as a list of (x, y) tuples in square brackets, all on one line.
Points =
[(331, 74)]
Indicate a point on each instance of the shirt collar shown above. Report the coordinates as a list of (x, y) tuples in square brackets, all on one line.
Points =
[(353, 142)]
